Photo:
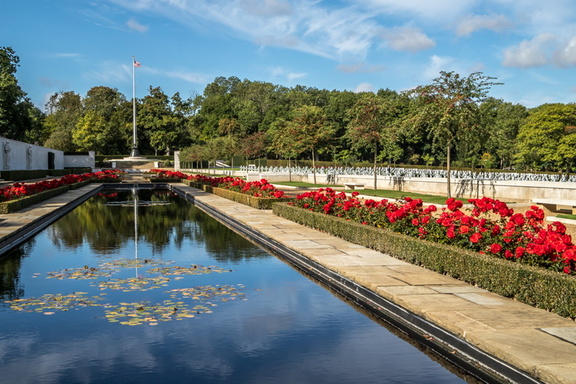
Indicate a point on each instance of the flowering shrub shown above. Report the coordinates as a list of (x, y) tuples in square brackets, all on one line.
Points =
[(254, 188), (490, 227), (18, 190), (164, 174)]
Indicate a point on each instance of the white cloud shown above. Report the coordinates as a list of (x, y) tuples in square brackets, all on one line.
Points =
[(566, 55), (266, 8), (287, 75), (436, 11), (437, 64), (407, 39), (530, 53), (364, 87), (69, 55), (303, 25), (360, 68), (136, 26), (472, 23), (295, 76), (189, 77), (109, 73)]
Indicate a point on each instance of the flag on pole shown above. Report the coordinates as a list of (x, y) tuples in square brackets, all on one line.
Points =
[(137, 64)]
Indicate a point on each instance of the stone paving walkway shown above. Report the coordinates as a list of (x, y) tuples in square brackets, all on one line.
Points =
[(533, 340)]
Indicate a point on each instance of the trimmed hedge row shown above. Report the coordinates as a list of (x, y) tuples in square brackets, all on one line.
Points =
[(552, 291), (26, 201), (26, 174), (15, 205), (242, 198)]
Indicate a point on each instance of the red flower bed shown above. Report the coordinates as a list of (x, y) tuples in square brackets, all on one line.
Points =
[(255, 188), (490, 227), (18, 190), (164, 174)]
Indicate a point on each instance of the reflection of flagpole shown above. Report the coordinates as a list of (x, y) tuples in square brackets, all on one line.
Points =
[(135, 152), (135, 192)]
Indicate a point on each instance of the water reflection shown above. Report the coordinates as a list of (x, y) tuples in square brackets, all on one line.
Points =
[(10, 287), (289, 330), (158, 225)]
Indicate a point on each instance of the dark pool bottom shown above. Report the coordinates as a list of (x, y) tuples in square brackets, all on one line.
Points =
[(284, 328)]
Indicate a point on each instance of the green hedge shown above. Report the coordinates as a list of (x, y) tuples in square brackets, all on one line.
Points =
[(30, 174), (552, 291), (242, 198), (26, 174), (26, 201)]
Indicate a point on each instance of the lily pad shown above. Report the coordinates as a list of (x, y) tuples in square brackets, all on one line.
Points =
[(192, 270), (55, 302), (133, 283)]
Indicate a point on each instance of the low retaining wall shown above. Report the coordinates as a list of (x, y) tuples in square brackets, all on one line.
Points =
[(510, 191)]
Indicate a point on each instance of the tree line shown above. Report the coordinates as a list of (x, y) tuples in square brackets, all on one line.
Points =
[(451, 122)]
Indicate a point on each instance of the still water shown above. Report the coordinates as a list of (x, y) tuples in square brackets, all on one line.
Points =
[(159, 292)]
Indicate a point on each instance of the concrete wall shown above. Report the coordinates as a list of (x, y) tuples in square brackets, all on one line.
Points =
[(16, 155), (80, 161)]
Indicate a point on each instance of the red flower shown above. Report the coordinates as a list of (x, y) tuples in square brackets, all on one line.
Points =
[(475, 238), (495, 248), (453, 204)]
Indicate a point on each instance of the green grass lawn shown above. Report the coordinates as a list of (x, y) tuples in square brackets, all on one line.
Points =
[(566, 216), (386, 193)]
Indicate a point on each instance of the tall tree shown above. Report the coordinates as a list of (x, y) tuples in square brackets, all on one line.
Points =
[(309, 130), (18, 115), (503, 120), (160, 124), (97, 129), (369, 117), (64, 110), (448, 109)]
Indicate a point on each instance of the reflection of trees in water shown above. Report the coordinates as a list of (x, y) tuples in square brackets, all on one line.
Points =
[(10, 287), (106, 228), (222, 243)]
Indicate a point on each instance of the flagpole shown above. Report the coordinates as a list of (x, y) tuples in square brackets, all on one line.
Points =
[(134, 152)]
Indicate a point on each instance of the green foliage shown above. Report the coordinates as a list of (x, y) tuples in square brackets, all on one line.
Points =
[(64, 111), (546, 139), (242, 198), (451, 119), (19, 118), (448, 111)]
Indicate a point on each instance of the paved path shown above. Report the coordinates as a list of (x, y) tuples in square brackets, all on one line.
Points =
[(533, 340)]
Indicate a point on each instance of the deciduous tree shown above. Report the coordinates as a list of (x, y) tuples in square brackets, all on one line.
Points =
[(448, 110)]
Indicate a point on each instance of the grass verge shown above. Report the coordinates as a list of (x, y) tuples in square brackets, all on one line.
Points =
[(385, 193)]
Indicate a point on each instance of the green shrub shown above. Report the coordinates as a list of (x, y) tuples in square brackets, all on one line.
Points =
[(26, 174), (242, 198), (27, 201)]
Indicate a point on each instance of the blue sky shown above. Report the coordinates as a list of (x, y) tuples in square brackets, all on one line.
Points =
[(358, 45)]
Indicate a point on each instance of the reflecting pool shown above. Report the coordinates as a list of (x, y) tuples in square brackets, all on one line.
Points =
[(146, 288)]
